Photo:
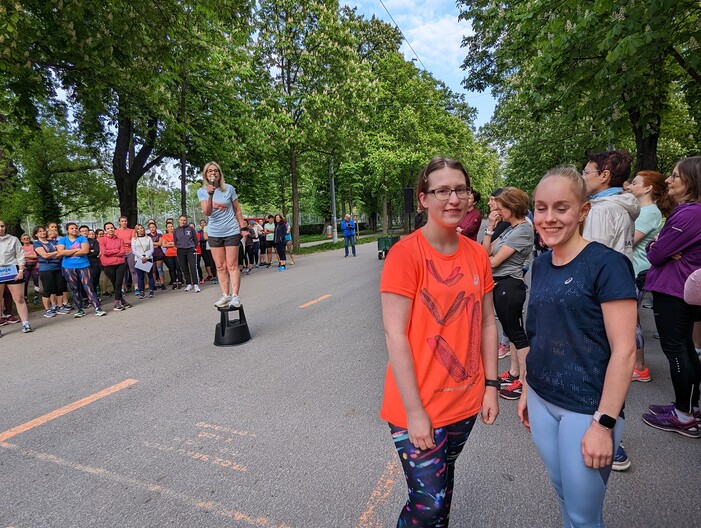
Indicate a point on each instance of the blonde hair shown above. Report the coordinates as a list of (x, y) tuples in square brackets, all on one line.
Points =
[(577, 183), (205, 182)]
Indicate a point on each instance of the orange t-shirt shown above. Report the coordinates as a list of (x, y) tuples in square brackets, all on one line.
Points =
[(125, 235), (445, 327), (169, 251)]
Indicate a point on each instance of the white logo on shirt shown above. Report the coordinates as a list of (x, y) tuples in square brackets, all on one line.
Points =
[(476, 280), (568, 280)]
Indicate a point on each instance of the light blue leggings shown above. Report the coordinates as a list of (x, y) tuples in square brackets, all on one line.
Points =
[(558, 433)]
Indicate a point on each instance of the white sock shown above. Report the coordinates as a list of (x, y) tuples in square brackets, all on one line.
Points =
[(684, 417)]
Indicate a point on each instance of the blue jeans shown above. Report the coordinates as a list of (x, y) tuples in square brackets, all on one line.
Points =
[(349, 239), (140, 278), (558, 433), (429, 474)]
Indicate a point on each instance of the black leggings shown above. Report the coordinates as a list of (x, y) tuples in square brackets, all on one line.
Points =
[(52, 283), (187, 258), (509, 298), (115, 274), (675, 324), (176, 275), (280, 246)]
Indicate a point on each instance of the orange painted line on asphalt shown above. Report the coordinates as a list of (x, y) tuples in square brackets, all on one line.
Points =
[(323, 297), (65, 410), (379, 495)]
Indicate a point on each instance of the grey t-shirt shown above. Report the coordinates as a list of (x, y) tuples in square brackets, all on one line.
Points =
[(519, 238)]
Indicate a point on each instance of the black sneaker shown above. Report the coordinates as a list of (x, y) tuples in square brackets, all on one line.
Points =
[(512, 392), (126, 304), (506, 379)]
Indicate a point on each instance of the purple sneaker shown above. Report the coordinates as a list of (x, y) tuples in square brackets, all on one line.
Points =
[(671, 422), (662, 409)]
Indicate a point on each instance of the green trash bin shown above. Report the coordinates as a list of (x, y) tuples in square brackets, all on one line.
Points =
[(384, 243)]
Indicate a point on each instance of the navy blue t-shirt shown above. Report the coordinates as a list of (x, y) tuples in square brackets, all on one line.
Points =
[(570, 352), (47, 264)]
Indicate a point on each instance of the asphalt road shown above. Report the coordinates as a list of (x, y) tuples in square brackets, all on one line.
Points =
[(282, 431)]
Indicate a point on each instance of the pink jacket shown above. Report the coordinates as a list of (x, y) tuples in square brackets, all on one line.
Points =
[(111, 251)]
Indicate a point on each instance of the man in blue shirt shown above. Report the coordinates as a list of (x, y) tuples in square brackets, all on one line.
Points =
[(348, 227)]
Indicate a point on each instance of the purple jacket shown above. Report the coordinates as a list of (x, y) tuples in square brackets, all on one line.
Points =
[(680, 234)]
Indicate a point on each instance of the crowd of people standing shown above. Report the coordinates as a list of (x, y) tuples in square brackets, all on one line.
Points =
[(137, 258), (594, 244)]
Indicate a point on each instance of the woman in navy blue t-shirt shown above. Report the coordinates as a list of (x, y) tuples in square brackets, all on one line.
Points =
[(581, 328)]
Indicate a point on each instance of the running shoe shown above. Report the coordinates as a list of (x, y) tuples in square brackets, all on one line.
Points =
[(151, 294), (506, 379), (68, 307), (3, 320), (80, 313), (188, 288), (670, 422), (248, 272), (223, 301), (35, 300), (621, 462), (138, 293), (11, 319), (99, 312), (641, 375), (197, 289), (235, 301), (119, 308), (141, 295), (63, 311), (27, 328), (180, 285), (504, 351), (282, 268), (174, 285), (49, 314), (662, 409), (512, 392), (215, 281), (126, 304)]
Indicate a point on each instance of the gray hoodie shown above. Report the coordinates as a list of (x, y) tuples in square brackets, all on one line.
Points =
[(611, 221), (11, 253)]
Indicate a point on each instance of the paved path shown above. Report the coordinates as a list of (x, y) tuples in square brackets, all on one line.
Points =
[(283, 431)]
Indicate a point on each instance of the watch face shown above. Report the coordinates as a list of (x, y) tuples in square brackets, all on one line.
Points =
[(607, 421)]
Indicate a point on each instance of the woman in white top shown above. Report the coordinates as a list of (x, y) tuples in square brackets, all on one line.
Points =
[(12, 274), (142, 248)]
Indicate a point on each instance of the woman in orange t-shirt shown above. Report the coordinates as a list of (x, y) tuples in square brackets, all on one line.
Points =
[(171, 257), (438, 316)]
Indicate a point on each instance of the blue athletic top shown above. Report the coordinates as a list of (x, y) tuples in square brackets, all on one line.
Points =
[(570, 352), (222, 221), (47, 264), (74, 262)]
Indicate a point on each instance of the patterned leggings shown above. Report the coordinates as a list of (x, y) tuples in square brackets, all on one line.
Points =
[(75, 277), (429, 474)]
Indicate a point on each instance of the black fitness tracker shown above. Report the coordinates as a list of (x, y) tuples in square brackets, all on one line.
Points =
[(605, 420), (492, 383)]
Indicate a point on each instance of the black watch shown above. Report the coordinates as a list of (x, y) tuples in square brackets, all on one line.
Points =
[(605, 420), (492, 383)]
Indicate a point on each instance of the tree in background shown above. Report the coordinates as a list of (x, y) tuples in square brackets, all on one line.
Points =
[(561, 68)]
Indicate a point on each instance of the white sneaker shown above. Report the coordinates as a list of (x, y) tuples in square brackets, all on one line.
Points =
[(197, 289), (188, 287), (223, 302), (235, 301)]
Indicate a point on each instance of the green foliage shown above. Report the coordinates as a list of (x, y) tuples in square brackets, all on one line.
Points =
[(588, 74), (59, 179)]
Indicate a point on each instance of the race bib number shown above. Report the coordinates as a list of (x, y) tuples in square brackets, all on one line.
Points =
[(8, 273)]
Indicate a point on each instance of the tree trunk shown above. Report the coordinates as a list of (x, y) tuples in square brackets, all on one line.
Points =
[(295, 198), (126, 172), (183, 183), (646, 137)]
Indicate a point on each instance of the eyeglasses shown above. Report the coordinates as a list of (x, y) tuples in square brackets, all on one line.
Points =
[(674, 176), (443, 194)]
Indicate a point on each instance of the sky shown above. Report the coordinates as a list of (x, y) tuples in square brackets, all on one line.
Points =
[(435, 34)]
